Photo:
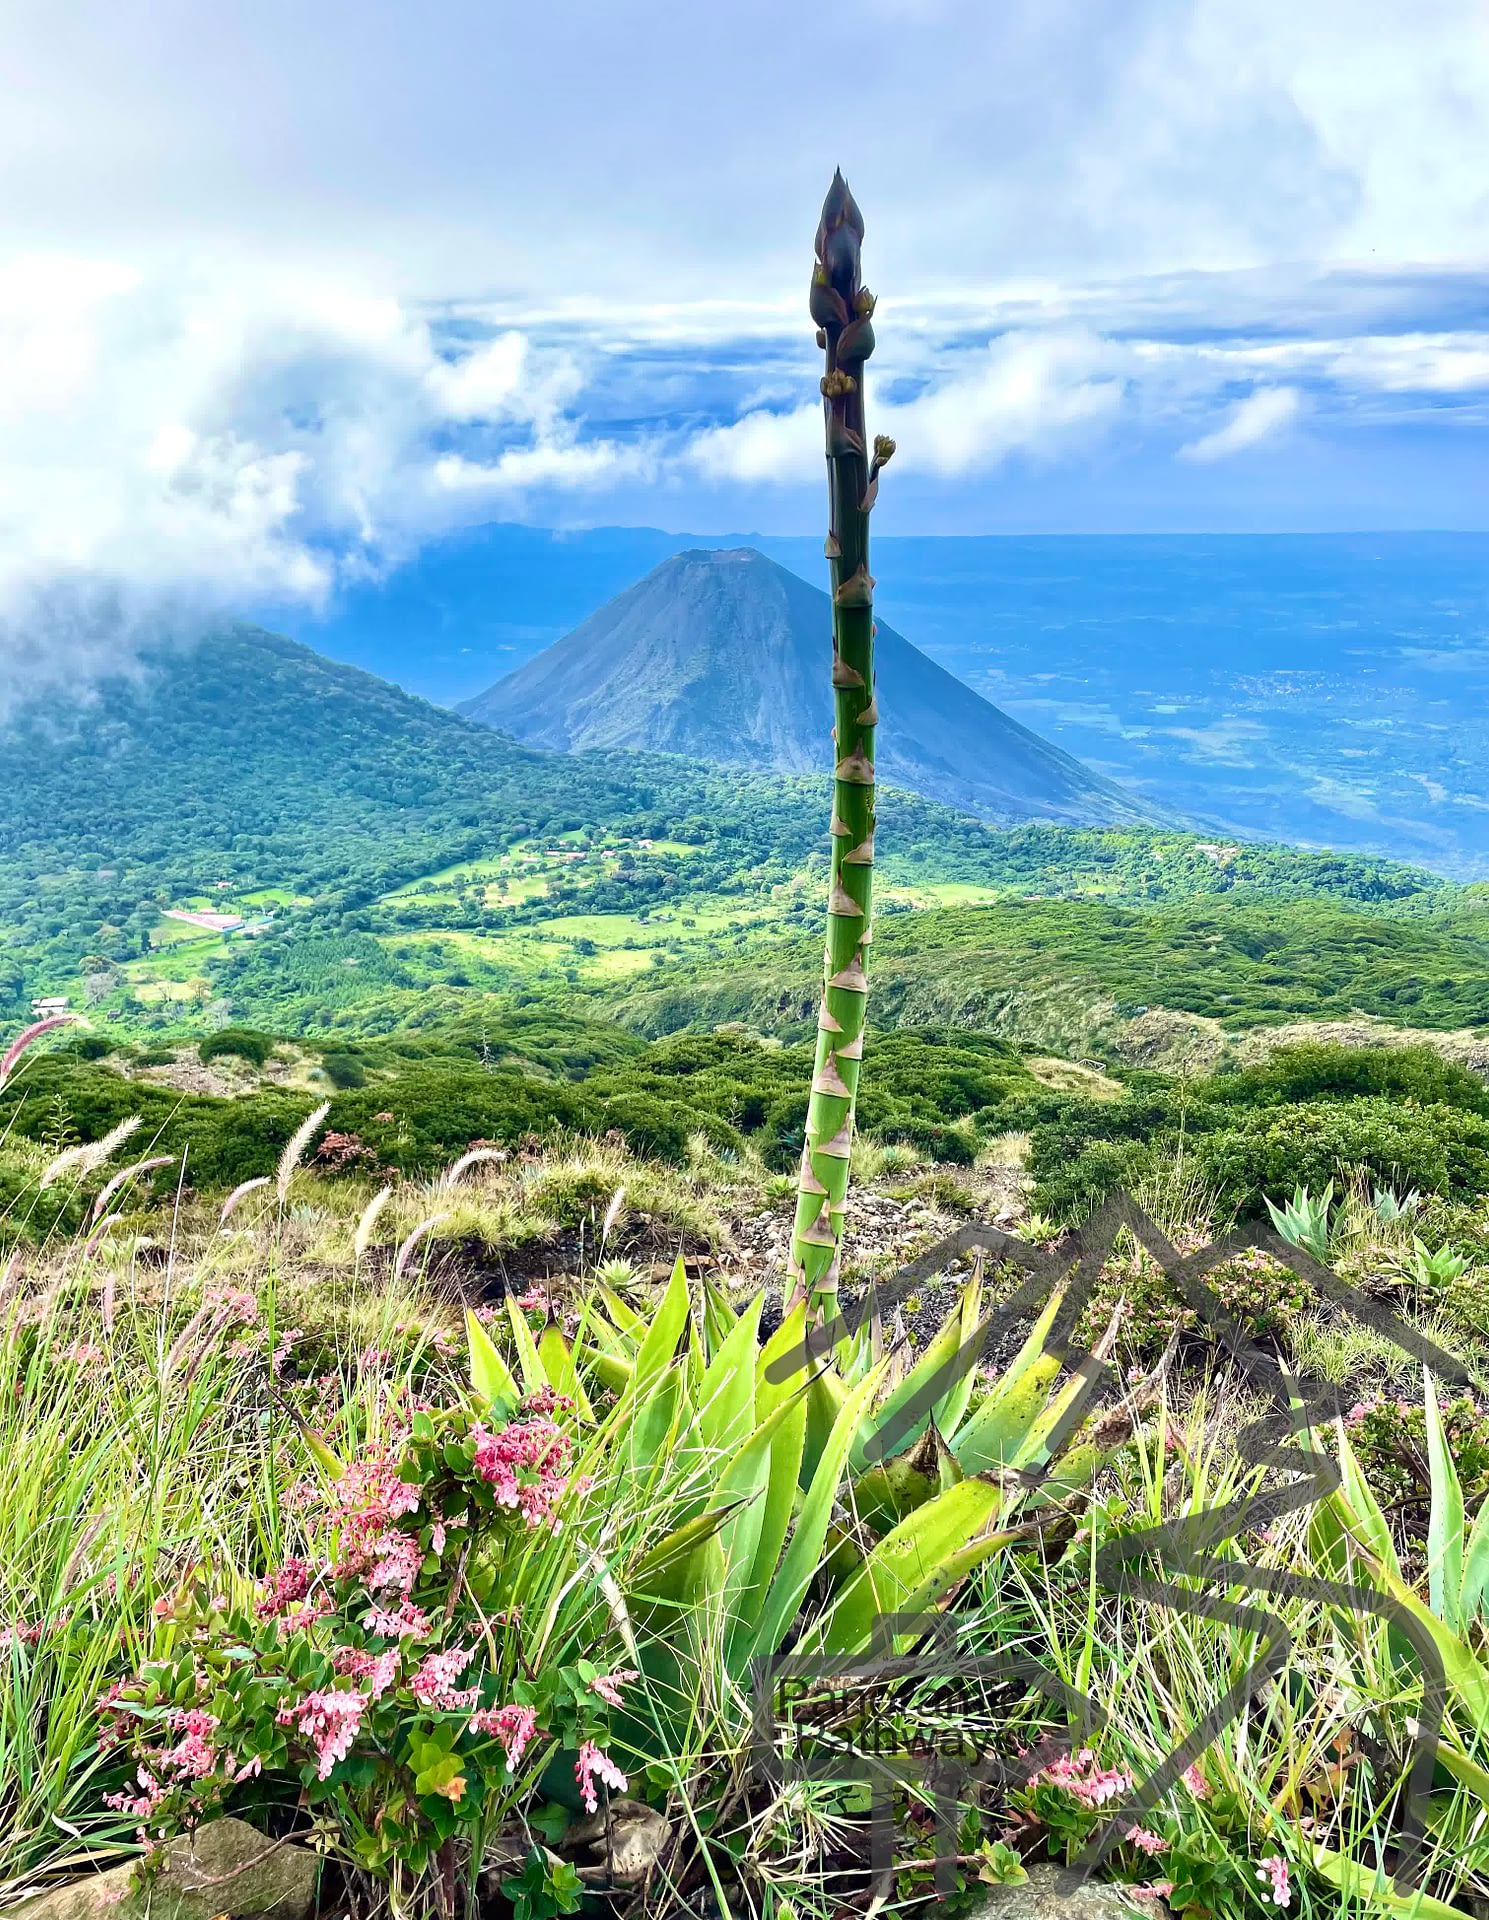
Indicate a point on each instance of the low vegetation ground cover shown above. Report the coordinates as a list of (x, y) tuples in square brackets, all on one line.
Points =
[(219, 1411)]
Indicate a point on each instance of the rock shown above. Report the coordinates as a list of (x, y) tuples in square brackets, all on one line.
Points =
[(1045, 1896), (226, 1867), (623, 1841)]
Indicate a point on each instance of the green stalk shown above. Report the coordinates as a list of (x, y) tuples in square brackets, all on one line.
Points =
[(842, 308)]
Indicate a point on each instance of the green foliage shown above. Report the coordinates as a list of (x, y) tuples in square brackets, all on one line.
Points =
[(344, 1070), (1308, 1116), (243, 1042), (1071, 967)]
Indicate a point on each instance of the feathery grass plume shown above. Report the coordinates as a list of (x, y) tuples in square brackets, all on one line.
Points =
[(32, 1033), (363, 1236), (405, 1251), (94, 1238), (295, 1147), (843, 309), (474, 1158), (241, 1192), (86, 1158), (10, 1279), (124, 1175), (612, 1214)]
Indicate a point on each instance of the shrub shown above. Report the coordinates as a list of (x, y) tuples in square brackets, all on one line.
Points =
[(244, 1042), (1438, 1149), (383, 1677), (344, 1070)]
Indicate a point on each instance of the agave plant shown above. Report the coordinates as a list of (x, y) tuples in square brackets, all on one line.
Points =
[(1433, 1271), (1305, 1220), (1351, 1533), (884, 1479)]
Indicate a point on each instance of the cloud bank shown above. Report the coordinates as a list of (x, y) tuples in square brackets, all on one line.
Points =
[(326, 284)]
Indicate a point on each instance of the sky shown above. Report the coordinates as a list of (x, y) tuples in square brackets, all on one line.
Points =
[(290, 288)]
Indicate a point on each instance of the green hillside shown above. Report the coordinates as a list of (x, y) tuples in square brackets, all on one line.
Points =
[(1068, 973), (382, 860)]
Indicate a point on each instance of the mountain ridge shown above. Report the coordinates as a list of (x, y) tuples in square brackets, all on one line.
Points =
[(719, 655)]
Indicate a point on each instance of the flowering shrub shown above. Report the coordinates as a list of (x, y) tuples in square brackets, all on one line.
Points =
[(1390, 1438), (413, 1673), (1203, 1873)]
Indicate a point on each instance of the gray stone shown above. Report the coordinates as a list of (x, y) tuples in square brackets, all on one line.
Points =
[(1044, 1896), (226, 1867)]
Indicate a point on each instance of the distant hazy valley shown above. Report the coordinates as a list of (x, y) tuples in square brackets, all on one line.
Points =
[(1320, 689)]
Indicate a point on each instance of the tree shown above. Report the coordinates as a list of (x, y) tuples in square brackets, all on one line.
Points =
[(843, 310)]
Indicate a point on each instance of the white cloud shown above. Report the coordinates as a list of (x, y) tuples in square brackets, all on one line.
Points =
[(1030, 393), (236, 435), (1256, 418)]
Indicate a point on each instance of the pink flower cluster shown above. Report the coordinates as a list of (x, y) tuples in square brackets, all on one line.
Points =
[(407, 1622), (527, 1463), (1081, 1777), (192, 1758), (608, 1685), (366, 1503), (1272, 1872), (593, 1765), (433, 1685), (513, 1726), (328, 1720), (288, 1587), (378, 1670)]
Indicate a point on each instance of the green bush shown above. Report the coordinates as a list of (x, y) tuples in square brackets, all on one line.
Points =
[(244, 1042), (344, 1070), (1437, 1149)]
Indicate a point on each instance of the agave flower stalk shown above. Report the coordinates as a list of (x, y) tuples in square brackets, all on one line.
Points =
[(843, 310)]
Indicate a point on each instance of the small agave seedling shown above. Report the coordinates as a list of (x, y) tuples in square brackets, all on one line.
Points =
[(1304, 1222)]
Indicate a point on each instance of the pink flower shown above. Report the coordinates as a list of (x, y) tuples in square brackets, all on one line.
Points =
[(1079, 1775), (282, 1347), (1196, 1783), (408, 1621), (141, 1806), (594, 1765), (329, 1721), (527, 1464), (433, 1684), (290, 1584), (1274, 1869), (1146, 1841), (513, 1726), (393, 1560), (379, 1670), (1154, 1890), (608, 1685)]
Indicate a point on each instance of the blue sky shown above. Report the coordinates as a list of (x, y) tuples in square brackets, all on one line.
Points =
[(286, 290)]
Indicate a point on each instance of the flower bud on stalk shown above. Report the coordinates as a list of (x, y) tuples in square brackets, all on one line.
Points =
[(842, 309)]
